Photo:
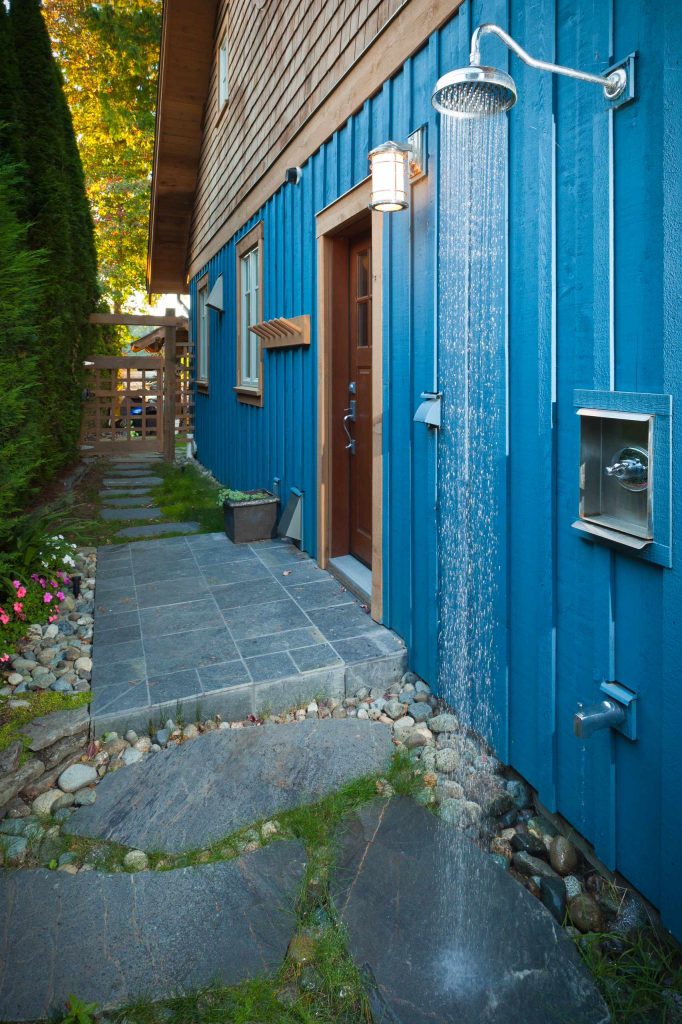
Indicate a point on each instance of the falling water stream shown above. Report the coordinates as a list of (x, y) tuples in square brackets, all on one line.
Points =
[(472, 375), (471, 477)]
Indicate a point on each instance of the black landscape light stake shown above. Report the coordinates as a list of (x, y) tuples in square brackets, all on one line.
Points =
[(76, 585)]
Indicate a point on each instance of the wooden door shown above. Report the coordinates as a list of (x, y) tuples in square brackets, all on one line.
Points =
[(360, 391)]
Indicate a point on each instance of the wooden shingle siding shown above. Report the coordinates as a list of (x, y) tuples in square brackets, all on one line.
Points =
[(282, 63)]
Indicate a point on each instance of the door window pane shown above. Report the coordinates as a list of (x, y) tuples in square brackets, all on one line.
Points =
[(363, 309), (363, 273)]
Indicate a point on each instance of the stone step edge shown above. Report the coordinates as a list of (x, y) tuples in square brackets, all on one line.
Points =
[(235, 703)]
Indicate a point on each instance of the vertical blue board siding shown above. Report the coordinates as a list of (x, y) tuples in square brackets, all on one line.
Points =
[(594, 301)]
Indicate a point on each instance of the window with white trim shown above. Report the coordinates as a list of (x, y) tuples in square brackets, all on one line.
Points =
[(249, 342), (202, 332), (222, 73)]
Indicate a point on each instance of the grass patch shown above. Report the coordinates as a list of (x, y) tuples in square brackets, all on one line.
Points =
[(41, 702), (641, 981), (186, 494)]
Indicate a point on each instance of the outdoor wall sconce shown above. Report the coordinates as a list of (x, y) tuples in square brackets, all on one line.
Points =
[(394, 168)]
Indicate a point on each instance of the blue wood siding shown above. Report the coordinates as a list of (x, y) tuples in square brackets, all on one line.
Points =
[(594, 298)]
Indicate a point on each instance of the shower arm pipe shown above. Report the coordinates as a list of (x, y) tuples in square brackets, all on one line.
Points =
[(613, 84)]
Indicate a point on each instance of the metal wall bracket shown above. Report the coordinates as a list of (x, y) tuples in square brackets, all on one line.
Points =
[(429, 410), (628, 701), (628, 94)]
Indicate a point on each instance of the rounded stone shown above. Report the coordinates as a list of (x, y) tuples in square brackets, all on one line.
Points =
[(573, 886), (410, 679), (15, 678), (131, 736), (420, 712), (444, 723), (447, 760), (190, 732), (419, 736), (144, 744), (76, 777), (563, 855), (85, 797), (394, 709), (131, 755), (83, 664), (162, 737), (585, 913), (65, 800), (462, 813), (42, 805), (402, 728), (61, 686), (136, 860)]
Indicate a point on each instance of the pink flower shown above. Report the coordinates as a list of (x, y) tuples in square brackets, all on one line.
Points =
[(53, 583), (4, 617), (61, 596), (18, 607), (16, 584), (41, 581), (53, 618), (21, 592), (4, 657), (47, 597)]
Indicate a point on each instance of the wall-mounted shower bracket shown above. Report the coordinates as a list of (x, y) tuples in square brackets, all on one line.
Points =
[(614, 82), (628, 701), (628, 93), (429, 410)]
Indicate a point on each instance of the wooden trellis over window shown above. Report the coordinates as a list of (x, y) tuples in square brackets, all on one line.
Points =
[(142, 402)]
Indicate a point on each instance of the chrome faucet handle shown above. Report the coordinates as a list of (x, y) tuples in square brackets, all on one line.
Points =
[(627, 469)]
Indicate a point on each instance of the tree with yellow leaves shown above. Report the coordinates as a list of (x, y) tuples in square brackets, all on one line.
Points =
[(108, 54)]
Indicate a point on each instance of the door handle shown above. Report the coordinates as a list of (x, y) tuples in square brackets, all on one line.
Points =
[(349, 418)]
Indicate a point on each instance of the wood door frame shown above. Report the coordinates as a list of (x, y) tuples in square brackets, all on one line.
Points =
[(334, 220)]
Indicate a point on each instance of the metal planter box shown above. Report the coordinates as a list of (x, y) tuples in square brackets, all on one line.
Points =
[(247, 521)]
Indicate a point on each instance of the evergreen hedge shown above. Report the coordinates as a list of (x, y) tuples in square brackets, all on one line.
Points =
[(48, 267)]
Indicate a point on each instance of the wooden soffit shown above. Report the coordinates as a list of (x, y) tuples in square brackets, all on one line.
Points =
[(184, 70)]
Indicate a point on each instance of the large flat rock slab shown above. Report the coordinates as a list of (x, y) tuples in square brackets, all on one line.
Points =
[(130, 513), (158, 529), (138, 481), (189, 796), (447, 934), (111, 938)]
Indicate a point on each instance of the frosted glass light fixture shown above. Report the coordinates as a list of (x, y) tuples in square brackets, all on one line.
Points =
[(389, 165)]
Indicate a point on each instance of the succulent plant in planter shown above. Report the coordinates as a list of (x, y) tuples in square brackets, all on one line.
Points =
[(249, 515)]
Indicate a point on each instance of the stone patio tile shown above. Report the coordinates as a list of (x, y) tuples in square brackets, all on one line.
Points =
[(106, 653), (118, 601), (244, 623), (129, 514), (126, 672), (122, 697), (117, 569), (307, 636), (209, 540), (219, 554), (195, 648), (130, 471), (222, 573), (108, 587), (168, 568), (232, 703), (158, 529), (319, 656), (444, 934), (161, 592), (345, 621), (226, 674), (229, 779), (160, 547), (321, 594), (275, 557), (175, 618), (119, 627), (112, 938), (271, 666), (278, 695), (111, 553), (251, 592), (126, 491), (363, 648), (174, 686), (299, 572)]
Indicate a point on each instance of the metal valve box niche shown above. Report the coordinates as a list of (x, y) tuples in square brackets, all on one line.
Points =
[(616, 473)]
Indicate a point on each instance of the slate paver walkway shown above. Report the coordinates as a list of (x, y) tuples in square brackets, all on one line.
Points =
[(448, 935), (224, 628), (110, 938), (127, 513), (185, 798)]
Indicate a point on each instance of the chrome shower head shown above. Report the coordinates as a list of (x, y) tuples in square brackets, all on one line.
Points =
[(474, 91)]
